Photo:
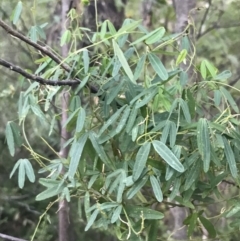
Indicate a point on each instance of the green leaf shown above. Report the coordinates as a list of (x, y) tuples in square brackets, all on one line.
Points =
[(80, 120), (185, 110), (87, 205), (230, 99), (175, 190), (113, 93), (111, 120), (17, 12), (146, 99), (46, 182), (156, 188), (139, 68), (123, 119), (118, 52), (158, 66), (168, 155), (208, 226), (99, 149), (172, 134), (233, 211), (146, 213), (230, 157), (223, 76), (131, 119), (203, 70), (192, 224), (128, 26), (21, 173), (181, 57), (71, 117), (76, 152), (166, 131), (85, 60), (33, 34), (217, 97), (116, 214), (141, 160), (212, 70), (66, 37), (10, 138), (192, 175), (29, 170), (151, 37), (155, 36), (91, 219), (203, 141), (136, 187), (111, 27), (50, 192)]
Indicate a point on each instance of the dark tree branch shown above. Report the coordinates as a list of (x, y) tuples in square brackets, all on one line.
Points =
[(35, 77), (42, 49), (204, 18), (47, 52), (218, 26), (7, 237)]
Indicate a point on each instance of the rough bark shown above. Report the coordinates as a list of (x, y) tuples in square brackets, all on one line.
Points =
[(184, 10), (147, 6), (63, 214)]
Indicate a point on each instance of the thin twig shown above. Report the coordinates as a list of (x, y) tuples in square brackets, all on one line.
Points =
[(47, 52), (4, 236), (36, 78), (42, 49), (204, 18), (218, 26)]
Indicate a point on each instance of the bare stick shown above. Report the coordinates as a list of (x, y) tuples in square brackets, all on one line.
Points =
[(4, 236), (42, 49), (36, 78)]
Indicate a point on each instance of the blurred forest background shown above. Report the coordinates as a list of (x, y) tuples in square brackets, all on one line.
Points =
[(217, 38)]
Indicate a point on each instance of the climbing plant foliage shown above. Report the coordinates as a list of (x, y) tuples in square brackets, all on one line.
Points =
[(149, 135)]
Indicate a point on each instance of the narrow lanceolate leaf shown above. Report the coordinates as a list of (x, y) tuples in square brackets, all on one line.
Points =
[(203, 141), (76, 154), (136, 187), (209, 226), (29, 170), (230, 99), (158, 66), (185, 110), (80, 120), (146, 99), (181, 57), (139, 67), (123, 119), (116, 214), (21, 174), (203, 70), (131, 119), (118, 52), (92, 219), (99, 149), (147, 213), (156, 188), (156, 36), (10, 139), (17, 12), (230, 157), (141, 160), (168, 156), (111, 120), (211, 69)]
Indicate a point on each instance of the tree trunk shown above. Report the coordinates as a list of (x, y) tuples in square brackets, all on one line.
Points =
[(63, 214)]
